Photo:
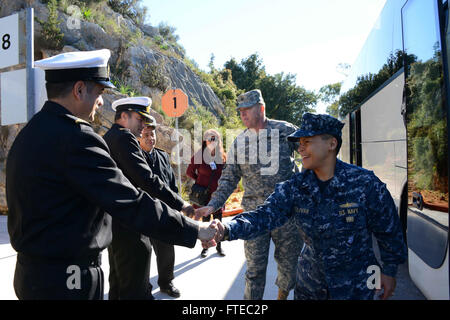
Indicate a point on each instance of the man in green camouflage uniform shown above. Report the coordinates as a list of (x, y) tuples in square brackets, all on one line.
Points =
[(262, 157)]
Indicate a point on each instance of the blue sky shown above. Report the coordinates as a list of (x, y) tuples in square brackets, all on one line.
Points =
[(308, 38)]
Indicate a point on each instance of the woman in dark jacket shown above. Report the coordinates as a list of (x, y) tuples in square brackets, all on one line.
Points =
[(206, 168)]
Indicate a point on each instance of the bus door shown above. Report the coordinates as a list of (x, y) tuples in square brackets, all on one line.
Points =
[(427, 145)]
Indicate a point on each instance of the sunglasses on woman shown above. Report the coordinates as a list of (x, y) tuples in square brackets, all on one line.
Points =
[(210, 139)]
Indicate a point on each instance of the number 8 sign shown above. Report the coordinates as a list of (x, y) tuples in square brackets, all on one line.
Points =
[(9, 41)]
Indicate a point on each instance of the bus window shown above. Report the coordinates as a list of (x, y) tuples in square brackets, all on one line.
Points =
[(427, 143)]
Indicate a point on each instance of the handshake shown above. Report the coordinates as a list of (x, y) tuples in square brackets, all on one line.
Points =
[(210, 234)]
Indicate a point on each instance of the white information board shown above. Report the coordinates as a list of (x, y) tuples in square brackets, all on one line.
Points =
[(9, 41), (13, 103)]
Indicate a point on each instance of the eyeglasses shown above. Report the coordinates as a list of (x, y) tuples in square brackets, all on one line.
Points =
[(210, 139)]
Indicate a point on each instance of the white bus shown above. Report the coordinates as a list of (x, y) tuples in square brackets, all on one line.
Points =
[(395, 103)]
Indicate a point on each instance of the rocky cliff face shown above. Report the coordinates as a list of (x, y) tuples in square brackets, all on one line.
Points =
[(134, 64)]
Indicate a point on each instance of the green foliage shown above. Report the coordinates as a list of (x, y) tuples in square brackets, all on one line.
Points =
[(168, 40), (368, 83), (222, 85), (126, 89), (247, 73), (51, 33), (284, 99), (329, 94), (129, 8), (221, 82), (196, 115), (87, 14), (168, 32), (427, 127)]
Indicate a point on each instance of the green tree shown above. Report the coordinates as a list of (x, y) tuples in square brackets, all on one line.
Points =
[(284, 99), (329, 94), (367, 84), (132, 9), (51, 33), (427, 128), (211, 63), (247, 73), (168, 32), (221, 82)]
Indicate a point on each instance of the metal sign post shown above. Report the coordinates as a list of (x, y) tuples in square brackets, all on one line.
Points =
[(30, 63), (178, 158), (174, 103)]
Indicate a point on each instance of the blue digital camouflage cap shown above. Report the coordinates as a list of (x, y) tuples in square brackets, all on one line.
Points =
[(316, 124)]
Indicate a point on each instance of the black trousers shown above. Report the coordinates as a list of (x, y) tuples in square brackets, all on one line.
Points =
[(129, 263), (129, 259), (40, 279), (165, 260)]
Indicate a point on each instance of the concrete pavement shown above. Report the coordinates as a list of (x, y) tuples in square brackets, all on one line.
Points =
[(211, 278)]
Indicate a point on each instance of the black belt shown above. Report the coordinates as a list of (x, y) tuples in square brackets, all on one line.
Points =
[(94, 261)]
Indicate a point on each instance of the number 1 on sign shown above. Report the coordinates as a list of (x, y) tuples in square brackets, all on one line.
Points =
[(174, 103)]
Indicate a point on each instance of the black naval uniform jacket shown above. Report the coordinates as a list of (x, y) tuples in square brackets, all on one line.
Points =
[(159, 162), (60, 181), (130, 252), (130, 158)]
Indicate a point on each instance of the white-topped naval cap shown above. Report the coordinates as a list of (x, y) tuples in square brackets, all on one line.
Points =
[(76, 59), (78, 65), (140, 105)]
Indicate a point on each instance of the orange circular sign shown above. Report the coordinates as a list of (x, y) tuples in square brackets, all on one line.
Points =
[(174, 103)]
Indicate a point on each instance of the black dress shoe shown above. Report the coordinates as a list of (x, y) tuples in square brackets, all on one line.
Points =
[(204, 253), (171, 291), (220, 252)]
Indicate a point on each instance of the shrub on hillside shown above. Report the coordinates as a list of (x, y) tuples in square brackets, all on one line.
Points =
[(52, 36)]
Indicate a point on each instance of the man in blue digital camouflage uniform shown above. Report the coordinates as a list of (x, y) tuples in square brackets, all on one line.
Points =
[(337, 207)]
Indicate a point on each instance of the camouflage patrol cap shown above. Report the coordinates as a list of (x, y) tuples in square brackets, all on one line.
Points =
[(316, 124), (249, 99)]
